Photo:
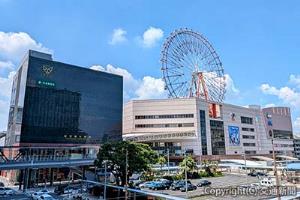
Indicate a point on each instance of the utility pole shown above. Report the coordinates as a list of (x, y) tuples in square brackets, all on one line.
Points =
[(105, 179), (275, 168), (270, 123), (245, 163), (185, 173)]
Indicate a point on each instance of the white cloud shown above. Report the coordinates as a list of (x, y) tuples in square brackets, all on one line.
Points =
[(147, 88), (151, 88), (8, 65), (296, 126), (5, 92), (118, 36), (230, 87), (4, 109), (151, 36), (13, 46), (6, 84), (295, 79), (97, 68), (297, 123), (269, 105), (286, 94)]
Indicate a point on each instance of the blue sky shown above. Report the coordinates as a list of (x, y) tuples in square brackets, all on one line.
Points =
[(258, 42)]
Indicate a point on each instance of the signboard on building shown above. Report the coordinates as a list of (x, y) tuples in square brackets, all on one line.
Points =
[(234, 135)]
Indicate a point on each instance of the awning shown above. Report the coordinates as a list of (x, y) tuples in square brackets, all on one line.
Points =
[(286, 157), (264, 158)]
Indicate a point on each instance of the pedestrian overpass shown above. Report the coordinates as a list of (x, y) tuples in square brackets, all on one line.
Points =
[(14, 158)]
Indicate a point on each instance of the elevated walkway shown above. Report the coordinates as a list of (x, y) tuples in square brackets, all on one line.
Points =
[(46, 157)]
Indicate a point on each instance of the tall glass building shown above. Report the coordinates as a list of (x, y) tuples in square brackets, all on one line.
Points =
[(58, 103)]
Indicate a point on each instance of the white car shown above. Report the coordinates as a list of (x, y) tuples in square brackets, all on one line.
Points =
[(6, 191), (46, 197)]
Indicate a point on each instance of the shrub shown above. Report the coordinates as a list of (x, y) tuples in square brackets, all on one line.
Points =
[(218, 174)]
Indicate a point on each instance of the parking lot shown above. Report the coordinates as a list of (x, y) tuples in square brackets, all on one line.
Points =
[(228, 180)]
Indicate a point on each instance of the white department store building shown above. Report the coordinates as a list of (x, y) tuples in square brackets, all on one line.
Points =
[(208, 129)]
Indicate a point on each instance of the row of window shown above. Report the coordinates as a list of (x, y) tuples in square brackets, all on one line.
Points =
[(279, 152), (283, 145), (164, 116), (173, 125), (250, 152), (246, 120), (248, 129), (249, 144), (282, 134), (165, 144), (248, 137)]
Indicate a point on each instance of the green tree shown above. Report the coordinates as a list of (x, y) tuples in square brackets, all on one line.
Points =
[(161, 161), (140, 157), (210, 167), (188, 164)]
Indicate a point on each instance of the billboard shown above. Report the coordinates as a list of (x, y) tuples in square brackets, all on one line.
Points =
[(234, 135)]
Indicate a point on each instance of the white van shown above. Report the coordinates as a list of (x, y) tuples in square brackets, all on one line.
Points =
[(267, 182)]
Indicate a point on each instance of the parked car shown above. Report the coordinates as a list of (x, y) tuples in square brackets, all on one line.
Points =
[(189, 187), (167, 182), (203, 183), (178, 184), (158, 186), (45, 191), (255, 174), (252, 174), (147, 184), (6, 191), (261, 174), (66, 189), (46, 197)]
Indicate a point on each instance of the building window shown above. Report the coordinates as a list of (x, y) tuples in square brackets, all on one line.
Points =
[(248, 137), (282, 134), (248, 129), (250, 152), (164, 116), (249, 144), (172, 125), (246, 120)]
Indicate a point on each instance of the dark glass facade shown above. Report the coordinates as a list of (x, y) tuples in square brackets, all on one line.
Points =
[(217, 137), (63, 103), (203, 132)]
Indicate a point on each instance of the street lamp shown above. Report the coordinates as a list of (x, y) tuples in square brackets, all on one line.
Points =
[(105, 177)]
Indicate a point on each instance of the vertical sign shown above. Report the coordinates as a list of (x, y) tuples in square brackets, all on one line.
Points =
[(234, 135)]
